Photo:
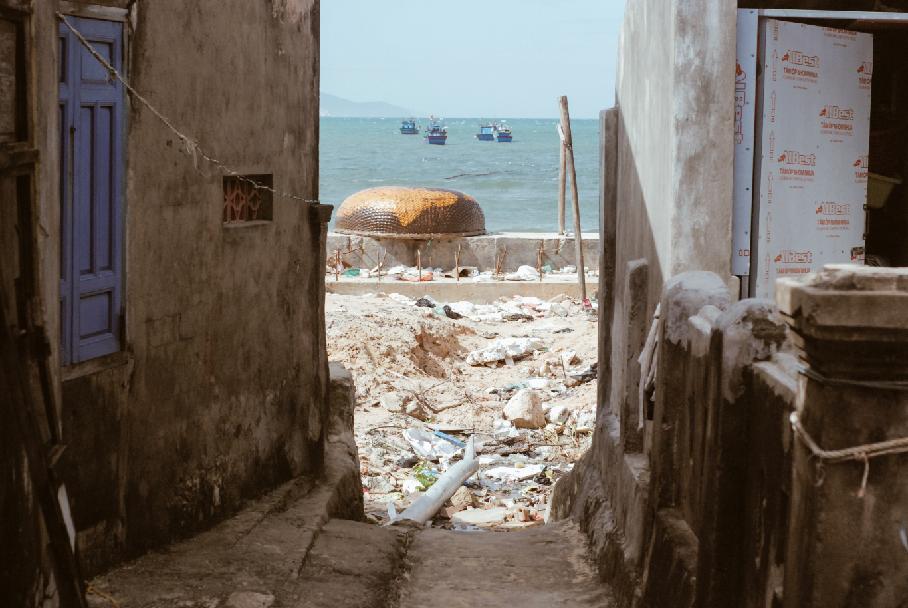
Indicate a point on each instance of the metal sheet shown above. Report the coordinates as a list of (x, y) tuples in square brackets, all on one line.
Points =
[(814, 138)]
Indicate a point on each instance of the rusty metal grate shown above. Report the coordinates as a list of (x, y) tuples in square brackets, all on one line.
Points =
[(244, 202)]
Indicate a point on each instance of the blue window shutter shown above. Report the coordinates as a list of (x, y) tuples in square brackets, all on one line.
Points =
[(92, 215)]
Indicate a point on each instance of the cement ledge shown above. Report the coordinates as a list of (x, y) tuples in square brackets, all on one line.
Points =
[(452, 291)]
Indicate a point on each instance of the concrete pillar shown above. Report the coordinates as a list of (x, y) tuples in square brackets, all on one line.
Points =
[(683, 296), (848, 535), (637, 323), (608, 203), (749, 331)]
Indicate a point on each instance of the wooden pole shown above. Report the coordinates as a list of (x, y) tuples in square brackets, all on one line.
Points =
[(575, 196), (539, 260), (562, 183), (337, 263), (457, 263), (419, 264)]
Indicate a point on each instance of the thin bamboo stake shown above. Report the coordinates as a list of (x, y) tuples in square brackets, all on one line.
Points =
[(539, 260), (419, 264), (562, 183), (457, 263), (578, 240), (337, 263)]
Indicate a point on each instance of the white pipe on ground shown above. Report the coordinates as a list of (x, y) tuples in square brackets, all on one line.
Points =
[(425, 507)]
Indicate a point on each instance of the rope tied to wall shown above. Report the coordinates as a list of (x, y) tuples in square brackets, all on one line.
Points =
[(861, 453), (189, 145)]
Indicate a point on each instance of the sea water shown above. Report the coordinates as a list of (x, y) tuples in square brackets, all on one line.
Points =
[(516, 183)]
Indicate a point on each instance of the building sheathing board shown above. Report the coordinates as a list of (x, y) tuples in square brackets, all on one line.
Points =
[(813, 139)]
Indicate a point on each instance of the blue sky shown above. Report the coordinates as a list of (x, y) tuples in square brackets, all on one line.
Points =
[(491, 58)]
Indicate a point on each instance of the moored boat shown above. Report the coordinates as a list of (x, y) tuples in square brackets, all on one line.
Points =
[(504, 134), (409, 127), (486, 132), (436, 133)]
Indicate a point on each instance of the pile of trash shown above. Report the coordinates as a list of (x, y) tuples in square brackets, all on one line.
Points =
[(515, 379)]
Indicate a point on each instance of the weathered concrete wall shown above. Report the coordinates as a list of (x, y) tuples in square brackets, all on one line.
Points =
[(674, 156), (221, 390), (667, 519), (28, 286), (729, 498)]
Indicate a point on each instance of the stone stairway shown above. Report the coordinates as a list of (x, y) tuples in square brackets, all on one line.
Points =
[(290, 559), (541, 567)]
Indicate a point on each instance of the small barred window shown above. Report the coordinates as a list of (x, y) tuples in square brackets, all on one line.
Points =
[(248, 198)]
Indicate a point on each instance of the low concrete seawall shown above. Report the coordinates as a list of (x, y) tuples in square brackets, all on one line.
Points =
[(510, 249), (451, 291)]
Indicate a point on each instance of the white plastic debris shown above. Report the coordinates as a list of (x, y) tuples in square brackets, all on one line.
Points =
[(411, 486), (524, 273), (424, 507), (466, 309), (505, 348), (511, 474), (504, 429), (558, 414), (427, 445), (400, 298)]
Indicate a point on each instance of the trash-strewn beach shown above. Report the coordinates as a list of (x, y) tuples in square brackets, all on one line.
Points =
[(517, 375)]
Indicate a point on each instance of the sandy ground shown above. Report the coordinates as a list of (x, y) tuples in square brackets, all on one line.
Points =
[(410, 366)]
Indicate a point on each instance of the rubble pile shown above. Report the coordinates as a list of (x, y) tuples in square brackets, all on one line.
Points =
[(517, 376)]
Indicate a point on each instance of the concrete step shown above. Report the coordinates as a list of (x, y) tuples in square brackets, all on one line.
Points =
[(537, 568)]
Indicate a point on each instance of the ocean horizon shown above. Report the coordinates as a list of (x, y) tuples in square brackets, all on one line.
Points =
[(515, 183)]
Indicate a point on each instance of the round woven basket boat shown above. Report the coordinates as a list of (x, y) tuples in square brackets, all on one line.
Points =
[(410, 213)]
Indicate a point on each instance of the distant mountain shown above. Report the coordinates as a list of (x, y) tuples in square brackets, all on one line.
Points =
[(332, 105)]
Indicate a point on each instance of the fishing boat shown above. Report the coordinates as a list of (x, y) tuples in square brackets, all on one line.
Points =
[(503, 133), (409, 127), (436, 133), (487, 132)]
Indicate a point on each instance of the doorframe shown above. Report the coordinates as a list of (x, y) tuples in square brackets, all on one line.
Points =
[(853, 18)]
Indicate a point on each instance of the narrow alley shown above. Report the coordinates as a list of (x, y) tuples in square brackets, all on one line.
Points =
[(256, 350)]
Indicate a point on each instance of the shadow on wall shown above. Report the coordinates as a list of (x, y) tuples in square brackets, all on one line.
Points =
[(631, 271)]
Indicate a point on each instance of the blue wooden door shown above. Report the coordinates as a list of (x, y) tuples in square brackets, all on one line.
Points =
[(91, 210)]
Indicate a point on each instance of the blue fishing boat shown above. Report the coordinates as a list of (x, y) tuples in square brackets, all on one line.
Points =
[(504, 134), (436, 133), (409, 127), (486, 132)]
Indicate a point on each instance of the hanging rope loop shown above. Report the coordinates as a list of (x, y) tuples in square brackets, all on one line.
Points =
[(862, 453)]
